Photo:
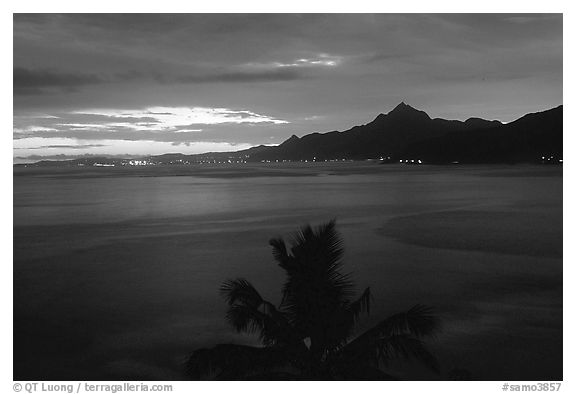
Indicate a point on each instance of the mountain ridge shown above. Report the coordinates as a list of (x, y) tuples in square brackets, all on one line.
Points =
[(403, 133)]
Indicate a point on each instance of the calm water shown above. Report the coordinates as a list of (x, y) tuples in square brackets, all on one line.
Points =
[(116, 271)]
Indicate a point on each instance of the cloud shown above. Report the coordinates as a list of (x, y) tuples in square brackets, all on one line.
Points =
[(243, 76), (150, 123), (28, 147), (313, 117), (175, 118), (320, 60), (275, 71), (33, 129), (36, 82), (188, 131), (31, 82), (41, 116), (154, 123), (61, 156), (241, 73)]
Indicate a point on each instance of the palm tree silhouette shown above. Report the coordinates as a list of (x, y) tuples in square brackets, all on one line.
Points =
[(310, 335)]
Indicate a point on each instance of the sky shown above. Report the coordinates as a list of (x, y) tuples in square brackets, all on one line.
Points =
[(130, 85)]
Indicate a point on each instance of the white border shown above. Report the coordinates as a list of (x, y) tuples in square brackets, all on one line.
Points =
[(356, 6)]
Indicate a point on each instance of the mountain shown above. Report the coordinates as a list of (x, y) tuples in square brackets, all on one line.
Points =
[(535, 137), (405, 133), (409, 133)]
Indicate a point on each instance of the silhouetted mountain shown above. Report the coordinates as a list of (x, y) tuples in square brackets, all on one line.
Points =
[(533, 137), (387, 135), (408, 133), (403, 133)]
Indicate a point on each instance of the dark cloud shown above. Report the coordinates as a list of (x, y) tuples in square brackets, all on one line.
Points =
[(30, 82), (36, 82), (282, 74), (225, 76)]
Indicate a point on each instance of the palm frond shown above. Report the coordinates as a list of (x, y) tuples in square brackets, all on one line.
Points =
[(398, 335), (271, 327), (362, 304), (420, 321), (280, 251), (242, 291), (245, 319), (316, 293), (321, 245), (315, 262), (248, 312), (407, 347)]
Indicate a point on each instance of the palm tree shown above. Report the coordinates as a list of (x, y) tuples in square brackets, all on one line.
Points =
[(310, 335)]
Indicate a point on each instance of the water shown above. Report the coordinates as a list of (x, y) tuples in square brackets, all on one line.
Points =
[(116, 271)]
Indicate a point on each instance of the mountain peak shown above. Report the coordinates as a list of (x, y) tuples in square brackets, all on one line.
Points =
[(405, 110), (403, 107), (290, 140)]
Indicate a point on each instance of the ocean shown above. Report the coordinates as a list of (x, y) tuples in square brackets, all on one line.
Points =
[(117, 270)]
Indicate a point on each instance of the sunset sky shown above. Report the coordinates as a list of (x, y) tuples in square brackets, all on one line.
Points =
[(159, 83)]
